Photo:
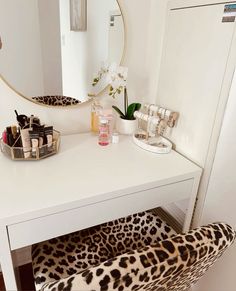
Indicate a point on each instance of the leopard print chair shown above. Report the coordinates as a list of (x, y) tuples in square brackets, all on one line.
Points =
[(56, 100), (139, 252)]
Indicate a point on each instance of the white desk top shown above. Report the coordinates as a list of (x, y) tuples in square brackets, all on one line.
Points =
[(84, 172)]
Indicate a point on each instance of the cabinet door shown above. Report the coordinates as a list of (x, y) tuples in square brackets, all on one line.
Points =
[(193, 67)]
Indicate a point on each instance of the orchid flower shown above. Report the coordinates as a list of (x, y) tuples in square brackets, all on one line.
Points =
[(116, 77), (102, 72)]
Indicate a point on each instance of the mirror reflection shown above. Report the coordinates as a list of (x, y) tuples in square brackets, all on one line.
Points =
[(53, 48)]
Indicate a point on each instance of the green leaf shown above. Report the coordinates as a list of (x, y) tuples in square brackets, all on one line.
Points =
[(118, 111), (131, 109)]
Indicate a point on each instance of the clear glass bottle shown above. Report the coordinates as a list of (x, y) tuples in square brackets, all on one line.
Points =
[(96, 108), (107, 114), (104, 137)]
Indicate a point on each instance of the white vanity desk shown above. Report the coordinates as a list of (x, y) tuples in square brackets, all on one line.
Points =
[(84, 185)]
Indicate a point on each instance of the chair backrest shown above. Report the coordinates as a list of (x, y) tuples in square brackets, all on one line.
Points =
[(174, 264), (73, 253)]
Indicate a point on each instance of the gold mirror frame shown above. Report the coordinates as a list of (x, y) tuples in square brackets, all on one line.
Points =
[(90, 96)]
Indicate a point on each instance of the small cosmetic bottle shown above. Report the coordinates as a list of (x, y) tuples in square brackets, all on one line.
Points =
[(95, 112), (107, 114), (103, 137), (115, 137)]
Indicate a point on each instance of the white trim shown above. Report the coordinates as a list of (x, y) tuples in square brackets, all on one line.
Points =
[(180, 4)]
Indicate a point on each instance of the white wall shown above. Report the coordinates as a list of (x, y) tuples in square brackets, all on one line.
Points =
[(98, 34), (74, 57), (138, 58), (15, 17), (145, 27), (31, 51), (49, 23), (116, 36), (221, 200), (156, 32)]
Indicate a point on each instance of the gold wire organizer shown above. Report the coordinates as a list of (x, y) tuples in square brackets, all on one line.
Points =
[(38, 153)]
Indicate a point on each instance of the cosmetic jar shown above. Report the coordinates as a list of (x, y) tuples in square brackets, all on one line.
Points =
[(115, 137)]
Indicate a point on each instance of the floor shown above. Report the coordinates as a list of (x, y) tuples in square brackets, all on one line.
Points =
[(26, 276)]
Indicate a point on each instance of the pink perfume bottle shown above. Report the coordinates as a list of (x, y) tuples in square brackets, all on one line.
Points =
[(107, 114), (103, 138)]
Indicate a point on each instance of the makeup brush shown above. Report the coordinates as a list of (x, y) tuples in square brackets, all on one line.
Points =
[(22, 120)]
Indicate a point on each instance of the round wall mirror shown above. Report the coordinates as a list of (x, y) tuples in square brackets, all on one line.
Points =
[(50, 50)]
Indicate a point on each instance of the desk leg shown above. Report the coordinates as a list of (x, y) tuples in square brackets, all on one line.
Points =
[(7, 261), (191, 205)]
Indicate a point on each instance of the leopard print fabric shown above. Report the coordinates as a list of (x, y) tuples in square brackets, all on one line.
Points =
[(173, 264), (56, 100), (73, 253)]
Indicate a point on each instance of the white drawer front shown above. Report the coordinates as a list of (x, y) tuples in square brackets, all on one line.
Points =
[(46, 227)]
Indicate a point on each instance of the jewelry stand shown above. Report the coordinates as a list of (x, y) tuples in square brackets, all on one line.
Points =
[(152, 123)]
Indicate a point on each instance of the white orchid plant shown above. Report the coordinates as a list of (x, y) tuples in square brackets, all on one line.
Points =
[(116, 77)]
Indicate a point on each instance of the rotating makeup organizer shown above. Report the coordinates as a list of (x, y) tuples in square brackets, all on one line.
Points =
[(30, 140), (153, 121)]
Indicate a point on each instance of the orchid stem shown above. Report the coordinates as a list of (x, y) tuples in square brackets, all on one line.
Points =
[(125, 100)]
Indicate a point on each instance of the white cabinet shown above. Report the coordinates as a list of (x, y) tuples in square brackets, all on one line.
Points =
[(196, 51), (198, 62)]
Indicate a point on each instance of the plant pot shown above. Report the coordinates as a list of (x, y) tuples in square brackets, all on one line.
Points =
[(125, 126)]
